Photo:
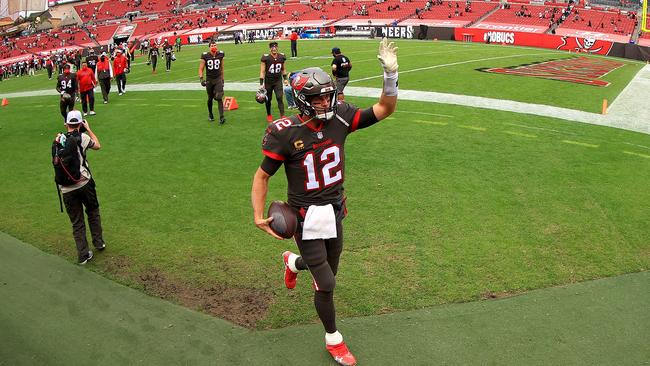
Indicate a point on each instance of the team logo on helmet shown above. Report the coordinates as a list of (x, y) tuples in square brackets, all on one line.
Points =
[(313, 82), (261, 96)]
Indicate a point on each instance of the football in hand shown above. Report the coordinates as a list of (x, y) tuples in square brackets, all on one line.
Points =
[(284, 221)]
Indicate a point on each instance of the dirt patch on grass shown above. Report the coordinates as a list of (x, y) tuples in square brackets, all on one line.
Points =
[(489, 295), (241, 306)]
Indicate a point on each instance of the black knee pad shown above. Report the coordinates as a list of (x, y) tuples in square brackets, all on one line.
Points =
[(324, 278)]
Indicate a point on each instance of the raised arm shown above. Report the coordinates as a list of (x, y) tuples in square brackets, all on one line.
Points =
[(388, 101)]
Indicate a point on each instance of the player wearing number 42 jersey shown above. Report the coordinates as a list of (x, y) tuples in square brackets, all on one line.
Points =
[(212, 64), (311, 146)]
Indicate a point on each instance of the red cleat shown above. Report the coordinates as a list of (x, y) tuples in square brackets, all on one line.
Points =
[(289, 275), (269, 118), (342, 354)]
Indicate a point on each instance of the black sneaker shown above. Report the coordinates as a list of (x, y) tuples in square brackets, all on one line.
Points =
[(222, 120), (211, 118), (101, 248), (85, 258)]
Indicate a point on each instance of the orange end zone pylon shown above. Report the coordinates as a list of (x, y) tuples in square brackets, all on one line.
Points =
[(230, 103)]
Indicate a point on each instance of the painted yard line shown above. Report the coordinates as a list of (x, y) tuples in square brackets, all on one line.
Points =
[(413, 55), (636, 154), (431, 122), (143, 105), (184, 100), (452, 64), (611, 120), (645, 147), (426, 113), (580, 143), (475, 128), (164, 105), (541, 129), (515, 133)]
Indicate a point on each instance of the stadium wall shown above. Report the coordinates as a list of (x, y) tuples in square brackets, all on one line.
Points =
[(565, 43)]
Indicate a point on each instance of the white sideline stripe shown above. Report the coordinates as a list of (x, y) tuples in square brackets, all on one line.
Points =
[(426, 113), (579, 143), (636, 154), (541, 129), (645, 147), (514, 133), (431, 122), (475, 128), (623, 115), (454, 64)]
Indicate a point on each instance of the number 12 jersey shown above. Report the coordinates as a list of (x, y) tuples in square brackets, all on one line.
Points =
[(314, 159)]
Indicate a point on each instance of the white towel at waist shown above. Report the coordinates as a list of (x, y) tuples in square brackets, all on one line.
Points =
[(320, 223)]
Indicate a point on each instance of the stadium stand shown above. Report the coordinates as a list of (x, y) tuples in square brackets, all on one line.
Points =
[(644, 39), (452, 13), (538, 19), (163, 17)]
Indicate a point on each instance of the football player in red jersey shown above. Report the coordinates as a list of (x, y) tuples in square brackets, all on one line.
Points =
[(311, 147)]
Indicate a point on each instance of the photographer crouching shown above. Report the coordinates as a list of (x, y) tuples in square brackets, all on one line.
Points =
[(74, 180)]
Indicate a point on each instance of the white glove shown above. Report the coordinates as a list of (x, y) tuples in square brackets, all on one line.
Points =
[(387, 55)]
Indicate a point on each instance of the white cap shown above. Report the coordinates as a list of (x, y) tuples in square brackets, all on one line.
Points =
[(74, 118)]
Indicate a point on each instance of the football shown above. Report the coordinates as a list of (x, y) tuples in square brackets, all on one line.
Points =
[(284, 222)]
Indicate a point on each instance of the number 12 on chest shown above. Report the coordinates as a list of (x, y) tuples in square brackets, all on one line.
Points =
[(330, 173)]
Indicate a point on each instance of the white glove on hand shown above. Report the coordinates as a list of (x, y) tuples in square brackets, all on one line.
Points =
[(387, 55)]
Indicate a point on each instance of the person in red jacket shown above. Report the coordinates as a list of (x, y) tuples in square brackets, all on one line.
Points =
[(294, 43), (49, 65), (120, 68), (104, 74), (87, 82)]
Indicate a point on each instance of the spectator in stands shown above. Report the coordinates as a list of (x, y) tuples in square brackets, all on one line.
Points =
[(120, 67), (104, 74)]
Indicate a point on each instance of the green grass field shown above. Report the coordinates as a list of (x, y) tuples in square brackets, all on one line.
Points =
[(446, 67), (447, 203)]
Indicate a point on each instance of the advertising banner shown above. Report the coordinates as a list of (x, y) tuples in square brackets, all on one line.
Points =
[(565, 43)]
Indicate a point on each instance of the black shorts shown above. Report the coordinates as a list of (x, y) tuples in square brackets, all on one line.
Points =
[(214, 87), (274, 86), (340, 84)]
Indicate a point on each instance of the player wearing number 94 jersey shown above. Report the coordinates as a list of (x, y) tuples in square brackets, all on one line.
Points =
[(311, 147), (212, 64)]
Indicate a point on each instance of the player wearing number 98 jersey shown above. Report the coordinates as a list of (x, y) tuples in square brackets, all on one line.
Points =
[(272, 72), (311, 147), (212, 64)]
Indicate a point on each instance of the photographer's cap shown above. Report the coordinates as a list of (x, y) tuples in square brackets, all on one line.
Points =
[(74, 118)]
